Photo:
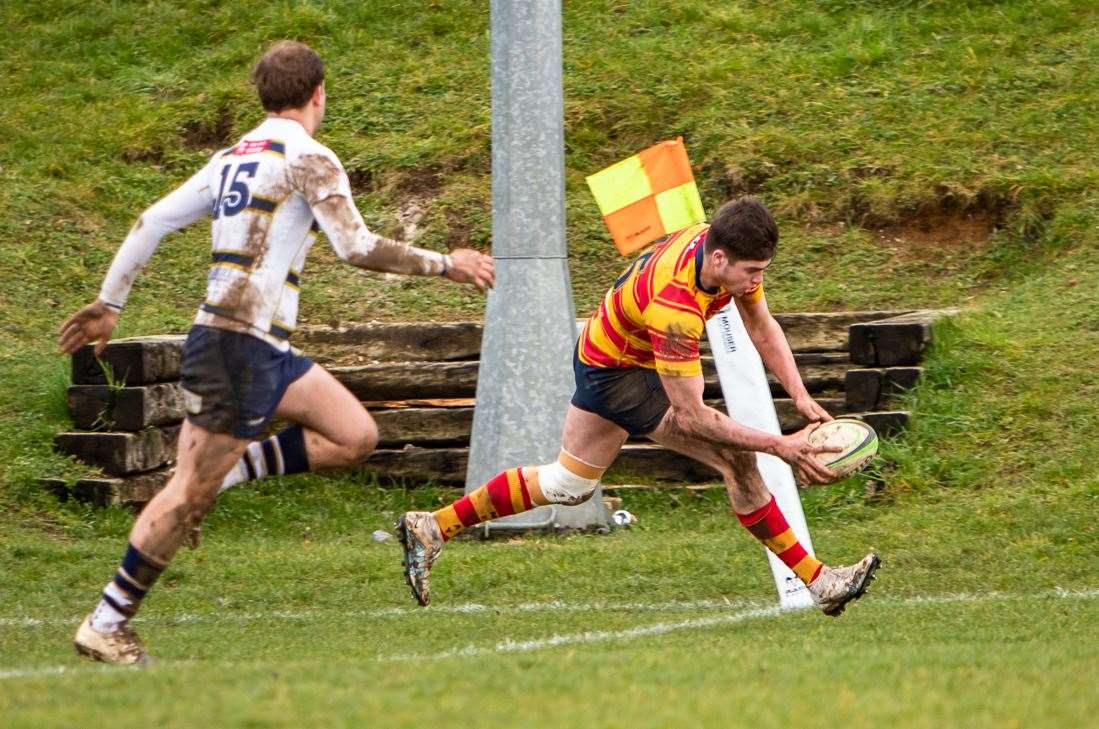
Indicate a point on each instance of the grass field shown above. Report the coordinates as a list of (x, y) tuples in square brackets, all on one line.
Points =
[(931, 153), (672, 623)]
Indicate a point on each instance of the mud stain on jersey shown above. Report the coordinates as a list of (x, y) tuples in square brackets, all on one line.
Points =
[(319, 179), (128, 278), (243, 298), (255, 239), (316, 177), (364, 249)]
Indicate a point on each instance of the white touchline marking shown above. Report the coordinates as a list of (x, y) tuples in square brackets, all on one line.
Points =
[(62, 670), (465, 608), (525, 607), (588, 636)]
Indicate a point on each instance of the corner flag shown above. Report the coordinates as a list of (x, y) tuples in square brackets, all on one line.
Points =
[(648, 195)]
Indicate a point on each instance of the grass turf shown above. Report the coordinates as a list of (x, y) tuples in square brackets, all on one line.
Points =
[(269, 628)]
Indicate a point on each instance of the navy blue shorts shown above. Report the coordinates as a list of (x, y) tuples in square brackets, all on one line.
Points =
[(232, 382), (632, 398)]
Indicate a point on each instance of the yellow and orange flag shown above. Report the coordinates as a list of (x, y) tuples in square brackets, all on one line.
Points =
[(648, 195)]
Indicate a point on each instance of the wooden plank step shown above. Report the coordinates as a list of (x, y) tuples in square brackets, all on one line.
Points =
[(898, 340), (448, 465), (133, 491), (886, 422), (125, 408), (424, 426), (131, 361), (443, 402), (438, 427), (823, 331), (402, 381), (392, 341), (120, 454), (399, 381), (148, 359), (875, 389)]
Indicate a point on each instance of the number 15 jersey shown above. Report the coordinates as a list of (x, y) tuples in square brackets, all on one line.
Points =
[(267, 196)]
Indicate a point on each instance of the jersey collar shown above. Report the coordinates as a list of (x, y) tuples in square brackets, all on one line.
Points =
[(699, 255)]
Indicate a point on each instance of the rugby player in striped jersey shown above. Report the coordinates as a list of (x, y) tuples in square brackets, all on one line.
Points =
[(638, 372), (267, 195)]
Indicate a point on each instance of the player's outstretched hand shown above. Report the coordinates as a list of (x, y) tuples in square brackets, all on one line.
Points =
[(811, 410), (796, 450), (93, 323), (470, 266)]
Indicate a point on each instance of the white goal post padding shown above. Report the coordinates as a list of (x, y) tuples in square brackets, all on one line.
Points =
[(748, 401)]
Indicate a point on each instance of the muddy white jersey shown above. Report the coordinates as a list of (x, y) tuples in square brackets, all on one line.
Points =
[(267, 197)]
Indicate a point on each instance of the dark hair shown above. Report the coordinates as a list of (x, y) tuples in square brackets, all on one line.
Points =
[(744, 229), (287, 75)]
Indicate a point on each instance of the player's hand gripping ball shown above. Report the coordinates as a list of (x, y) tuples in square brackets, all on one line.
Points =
[(857, 439)]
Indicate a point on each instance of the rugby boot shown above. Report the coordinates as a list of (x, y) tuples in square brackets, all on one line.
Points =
[(122, 647), (421, 541), (834, 587)]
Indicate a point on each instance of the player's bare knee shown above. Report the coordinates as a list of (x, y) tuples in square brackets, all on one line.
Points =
[(368, 440), (359, 449), (191, 506), (202, 493)]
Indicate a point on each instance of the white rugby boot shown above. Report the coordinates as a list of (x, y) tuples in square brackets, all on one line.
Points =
[(422, 541), (837, 586), (122, 647)]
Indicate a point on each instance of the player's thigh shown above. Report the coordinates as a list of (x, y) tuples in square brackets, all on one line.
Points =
[(727, 461), (318, 401), (592, 438)]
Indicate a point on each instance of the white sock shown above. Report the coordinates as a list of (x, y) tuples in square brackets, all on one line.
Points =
[(253, 457), (106, 618), (237, 474)]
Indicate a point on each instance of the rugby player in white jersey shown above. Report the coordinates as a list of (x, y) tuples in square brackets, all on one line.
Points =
[(267, 196)]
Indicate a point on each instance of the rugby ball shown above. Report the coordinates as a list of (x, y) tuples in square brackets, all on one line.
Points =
[(857, 439)]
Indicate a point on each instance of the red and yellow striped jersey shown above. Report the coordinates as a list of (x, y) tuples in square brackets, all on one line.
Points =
[(656, 312)]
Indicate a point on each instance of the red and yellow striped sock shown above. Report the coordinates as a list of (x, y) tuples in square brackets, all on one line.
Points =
[(769, 526), (505, 494)]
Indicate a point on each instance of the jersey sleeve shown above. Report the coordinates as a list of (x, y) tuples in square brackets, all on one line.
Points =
[(320, 178), (318, 175), (675, 325), (181, 207)]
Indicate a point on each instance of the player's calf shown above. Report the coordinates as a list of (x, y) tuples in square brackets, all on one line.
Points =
[(768, 525), (567, 481), (831, 587)]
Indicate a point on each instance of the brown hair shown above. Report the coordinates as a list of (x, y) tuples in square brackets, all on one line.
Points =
[(287, 75), (744, 229)]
